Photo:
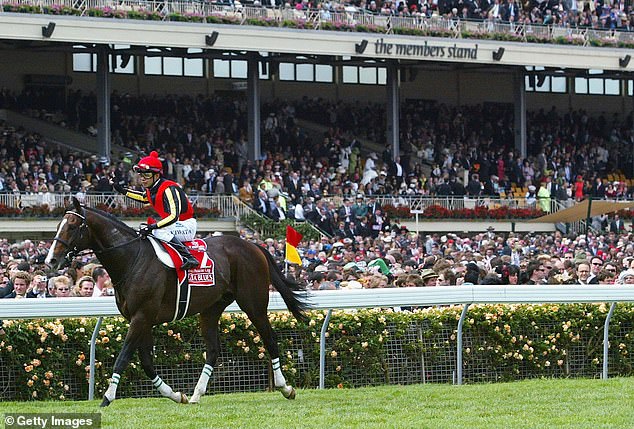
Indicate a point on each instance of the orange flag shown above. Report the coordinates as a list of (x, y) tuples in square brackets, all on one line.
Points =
[(292, 241)]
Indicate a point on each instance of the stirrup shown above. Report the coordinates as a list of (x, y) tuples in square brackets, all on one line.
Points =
[(189, 263)]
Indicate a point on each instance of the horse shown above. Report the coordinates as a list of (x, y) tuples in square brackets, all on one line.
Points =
[(146, 291)]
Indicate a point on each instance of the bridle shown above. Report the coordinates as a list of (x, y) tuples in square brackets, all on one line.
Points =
[(73, 252), (77, 235)]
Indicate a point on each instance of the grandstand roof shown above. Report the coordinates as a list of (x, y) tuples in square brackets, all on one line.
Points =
[(71, 30)]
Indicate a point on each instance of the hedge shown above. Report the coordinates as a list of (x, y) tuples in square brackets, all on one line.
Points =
[(48, 359)]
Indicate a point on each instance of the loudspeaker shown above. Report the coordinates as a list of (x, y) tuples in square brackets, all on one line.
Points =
[(210, 39), (412, 74), (497, 55), (48, 30), (623, 62), (360, 47), (125, 60)]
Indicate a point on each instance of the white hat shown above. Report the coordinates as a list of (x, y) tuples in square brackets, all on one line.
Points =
[(351, 284), (351, 266)]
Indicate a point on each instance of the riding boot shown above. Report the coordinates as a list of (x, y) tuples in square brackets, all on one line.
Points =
[(188, 260)]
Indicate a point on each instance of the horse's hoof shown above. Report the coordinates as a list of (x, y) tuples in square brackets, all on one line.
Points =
[(105, 402), (292, 394), (288, 392), (184, 399)]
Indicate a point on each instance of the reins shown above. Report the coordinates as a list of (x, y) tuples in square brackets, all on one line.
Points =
[(103, 250)]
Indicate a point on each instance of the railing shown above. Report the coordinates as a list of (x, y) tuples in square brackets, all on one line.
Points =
[(231, 206), (352, 19), (357, 299)]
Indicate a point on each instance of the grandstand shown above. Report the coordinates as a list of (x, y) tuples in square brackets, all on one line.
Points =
[(449, 65)]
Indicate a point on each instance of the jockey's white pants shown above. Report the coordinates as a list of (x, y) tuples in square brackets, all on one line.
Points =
[(184, 230)]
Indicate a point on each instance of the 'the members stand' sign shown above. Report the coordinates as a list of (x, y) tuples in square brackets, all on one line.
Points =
[(424, 50)]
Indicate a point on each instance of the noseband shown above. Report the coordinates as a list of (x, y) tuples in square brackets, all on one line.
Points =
[(78, 235)]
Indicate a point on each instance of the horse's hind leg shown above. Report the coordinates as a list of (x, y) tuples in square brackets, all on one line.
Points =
[(261, 322), (209, 330)]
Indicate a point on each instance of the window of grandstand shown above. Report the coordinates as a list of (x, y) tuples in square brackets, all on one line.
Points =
[(597, 85), (118, 63), (367, 75), (234, 69), (543, 83), (174, 66), (306, 72)]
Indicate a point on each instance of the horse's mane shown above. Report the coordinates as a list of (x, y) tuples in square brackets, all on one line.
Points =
[(120, 224)]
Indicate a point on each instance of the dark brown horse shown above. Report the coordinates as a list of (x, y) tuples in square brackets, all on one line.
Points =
[(146, 291)]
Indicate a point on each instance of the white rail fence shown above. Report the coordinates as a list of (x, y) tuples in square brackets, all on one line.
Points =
[(356, 299)]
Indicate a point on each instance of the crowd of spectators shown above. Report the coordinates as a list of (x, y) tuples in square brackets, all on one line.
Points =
[(394, 258), (333, 181), (445, 151), (399, 258), (207, 135), (600, 14), (23, 274)]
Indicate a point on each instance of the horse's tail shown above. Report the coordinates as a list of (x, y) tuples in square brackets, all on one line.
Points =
[(293, 293)]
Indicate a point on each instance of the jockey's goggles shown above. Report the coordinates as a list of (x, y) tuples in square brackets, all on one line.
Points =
[(147, 174)]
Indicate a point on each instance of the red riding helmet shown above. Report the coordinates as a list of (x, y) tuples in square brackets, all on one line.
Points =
[(149, 164)]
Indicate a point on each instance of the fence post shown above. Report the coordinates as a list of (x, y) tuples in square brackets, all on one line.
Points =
[(93, 346), (322, 349), (606, 344), (459, 345)]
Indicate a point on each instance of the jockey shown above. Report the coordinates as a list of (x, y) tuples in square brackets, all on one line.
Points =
[(169, 200)]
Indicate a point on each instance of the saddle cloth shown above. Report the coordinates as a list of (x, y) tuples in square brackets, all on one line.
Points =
[(203, 275)]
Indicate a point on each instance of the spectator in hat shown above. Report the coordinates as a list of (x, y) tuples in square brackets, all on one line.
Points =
[(429, 277), (543, 195), (359, 208), (626, 277)]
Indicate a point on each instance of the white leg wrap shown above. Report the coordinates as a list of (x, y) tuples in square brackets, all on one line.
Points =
[(165, 390), (201, 386), (280, 381), (111, 392)]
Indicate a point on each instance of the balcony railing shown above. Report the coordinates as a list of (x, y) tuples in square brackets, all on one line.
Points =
[(231, 206), (350, 20)]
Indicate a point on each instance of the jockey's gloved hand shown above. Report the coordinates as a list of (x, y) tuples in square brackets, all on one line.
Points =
[(146, 230), (112, 178)]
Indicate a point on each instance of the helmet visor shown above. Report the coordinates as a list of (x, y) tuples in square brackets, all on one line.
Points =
[(139, 169)]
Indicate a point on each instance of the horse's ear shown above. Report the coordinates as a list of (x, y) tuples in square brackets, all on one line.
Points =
[(76, 205)]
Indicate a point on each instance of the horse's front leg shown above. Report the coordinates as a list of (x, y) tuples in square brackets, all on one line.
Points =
[(139, 338), (147, 362), (133, 339)]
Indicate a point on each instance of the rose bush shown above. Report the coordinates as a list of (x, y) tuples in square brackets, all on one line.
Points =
[(48, 359)]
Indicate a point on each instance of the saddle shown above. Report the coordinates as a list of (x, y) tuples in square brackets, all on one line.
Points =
[(203, 275)]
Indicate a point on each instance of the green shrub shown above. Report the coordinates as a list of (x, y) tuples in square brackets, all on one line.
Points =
[(49, 359)]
